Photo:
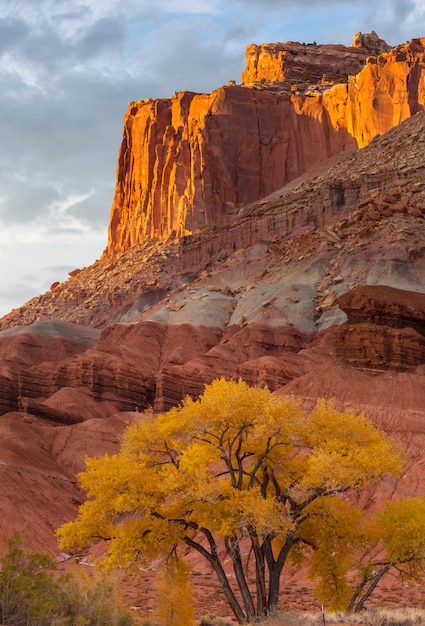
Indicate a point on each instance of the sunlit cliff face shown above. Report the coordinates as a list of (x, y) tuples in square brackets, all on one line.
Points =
[(188, 160)]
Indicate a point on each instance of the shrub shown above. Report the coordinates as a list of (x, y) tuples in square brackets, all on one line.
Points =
[(31, 593), (28, 591)]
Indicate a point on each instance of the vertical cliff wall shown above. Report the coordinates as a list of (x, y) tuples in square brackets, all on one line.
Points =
[(387, 91), (188, 160)]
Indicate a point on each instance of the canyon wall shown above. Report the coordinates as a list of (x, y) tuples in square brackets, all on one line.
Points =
[(188, 160), (387, 91)]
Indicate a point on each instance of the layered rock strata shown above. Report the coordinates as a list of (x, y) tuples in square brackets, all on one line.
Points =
[(189, 161), (315, 63), (362, 214), (385, 328)]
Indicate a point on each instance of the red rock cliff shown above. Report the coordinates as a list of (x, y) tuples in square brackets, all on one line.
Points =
[(293, 61), (188, 160), (387, 91)]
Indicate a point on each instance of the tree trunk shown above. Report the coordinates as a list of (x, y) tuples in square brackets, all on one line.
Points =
[(213, 558), (260, 574), (233, 550), (274, 588), (230, 596), (360, 604), (275, 567)]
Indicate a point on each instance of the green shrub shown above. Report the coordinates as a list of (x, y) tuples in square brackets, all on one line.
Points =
[(28, 591), (31, 593)]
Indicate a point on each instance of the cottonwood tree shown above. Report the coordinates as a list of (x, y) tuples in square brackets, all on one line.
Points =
[(351, 556), (238, 475), (396, 536)]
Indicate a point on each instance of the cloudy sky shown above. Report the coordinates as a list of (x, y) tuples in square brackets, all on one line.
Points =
[(68, 68)]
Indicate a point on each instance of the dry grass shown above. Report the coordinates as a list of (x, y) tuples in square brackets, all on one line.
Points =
[(403, 616)]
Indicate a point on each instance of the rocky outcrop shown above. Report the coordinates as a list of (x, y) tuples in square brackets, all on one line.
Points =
[(189, 161), (385, 306), (299, 64), (385, 329), (260, 354), (387, 91), (371, 42)]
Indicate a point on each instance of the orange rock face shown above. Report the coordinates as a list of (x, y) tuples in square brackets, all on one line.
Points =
[(292, 61), (186, 161), (189, 160), (389, 89)]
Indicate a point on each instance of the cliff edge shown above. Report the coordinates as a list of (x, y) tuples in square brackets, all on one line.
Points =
[(189, 160)]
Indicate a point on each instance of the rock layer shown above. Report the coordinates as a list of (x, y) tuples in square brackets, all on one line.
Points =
[(385, 328), (299, 63)]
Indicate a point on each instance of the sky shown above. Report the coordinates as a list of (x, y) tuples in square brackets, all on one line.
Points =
[(68, 69)]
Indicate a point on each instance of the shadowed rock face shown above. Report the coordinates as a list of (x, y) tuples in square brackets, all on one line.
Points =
[(188, 161), (384, 306)]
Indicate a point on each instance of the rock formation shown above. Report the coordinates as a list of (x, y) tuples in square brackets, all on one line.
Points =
[(295, 63), (243, 297), (385, 329), (371, 42), (316, 289), (188, 161)]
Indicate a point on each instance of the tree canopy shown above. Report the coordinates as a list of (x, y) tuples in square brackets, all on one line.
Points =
[(238, 474), (394, 539)]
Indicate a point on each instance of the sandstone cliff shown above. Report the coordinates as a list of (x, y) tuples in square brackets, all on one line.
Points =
[(309, 63), (187, 161), (190, 160)]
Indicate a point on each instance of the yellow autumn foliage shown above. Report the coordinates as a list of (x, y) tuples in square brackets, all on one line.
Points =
[(238, 464), (174, 593)]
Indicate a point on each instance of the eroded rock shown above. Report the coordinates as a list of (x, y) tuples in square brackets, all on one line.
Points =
[(188, 161), (385, 328)]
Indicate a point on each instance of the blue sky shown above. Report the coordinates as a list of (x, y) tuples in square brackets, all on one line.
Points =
[(68, 68)]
